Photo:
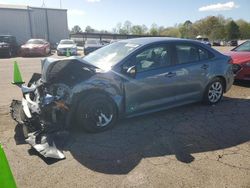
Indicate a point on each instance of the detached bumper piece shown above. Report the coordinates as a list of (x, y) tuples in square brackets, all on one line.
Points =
[(45, 145), (43, 137)]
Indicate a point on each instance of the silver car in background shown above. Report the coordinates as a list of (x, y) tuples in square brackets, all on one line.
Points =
[(91, 45), (67, 46)]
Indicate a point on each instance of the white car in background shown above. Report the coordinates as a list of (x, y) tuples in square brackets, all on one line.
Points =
[(67, 46)]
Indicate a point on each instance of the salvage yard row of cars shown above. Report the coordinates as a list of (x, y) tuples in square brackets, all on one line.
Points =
[(41, 47), (36, 47)]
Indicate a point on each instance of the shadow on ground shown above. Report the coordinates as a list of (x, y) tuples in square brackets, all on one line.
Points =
[(180, 132), (243, 83)]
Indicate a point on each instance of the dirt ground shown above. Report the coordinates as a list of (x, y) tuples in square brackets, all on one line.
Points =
[(189, 146)]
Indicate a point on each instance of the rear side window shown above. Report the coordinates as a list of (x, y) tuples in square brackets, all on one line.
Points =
[(188, 53)]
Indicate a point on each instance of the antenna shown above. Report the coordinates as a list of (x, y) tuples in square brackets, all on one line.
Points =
[(43, 5)]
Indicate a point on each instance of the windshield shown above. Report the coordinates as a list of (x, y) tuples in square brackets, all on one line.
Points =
[(245, 47), (108, 56), (67, 42), (4, 39), (35, 41)]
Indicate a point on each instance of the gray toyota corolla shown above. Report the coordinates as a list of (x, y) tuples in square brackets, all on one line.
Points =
[(123, 79)]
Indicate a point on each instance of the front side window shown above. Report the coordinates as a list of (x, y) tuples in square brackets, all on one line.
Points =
[(152, 58)]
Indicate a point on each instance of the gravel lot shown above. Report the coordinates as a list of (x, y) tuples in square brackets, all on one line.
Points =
[(190, 146)]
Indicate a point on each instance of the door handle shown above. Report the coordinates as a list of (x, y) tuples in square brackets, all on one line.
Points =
[(170, 74), (204, 66)]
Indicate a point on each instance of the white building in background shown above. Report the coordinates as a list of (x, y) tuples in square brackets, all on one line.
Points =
[(25, 22)]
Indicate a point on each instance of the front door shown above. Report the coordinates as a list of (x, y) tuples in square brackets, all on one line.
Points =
[(154, 83)]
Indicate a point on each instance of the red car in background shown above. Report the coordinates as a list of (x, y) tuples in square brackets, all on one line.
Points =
[(241, 61), (38, 47)]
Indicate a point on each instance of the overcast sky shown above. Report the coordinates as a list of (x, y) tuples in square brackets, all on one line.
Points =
[(105, 14)]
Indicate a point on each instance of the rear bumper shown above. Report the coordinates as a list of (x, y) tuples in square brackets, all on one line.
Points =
[(229, 79), (230, 82), (64, 51), (26, 52)]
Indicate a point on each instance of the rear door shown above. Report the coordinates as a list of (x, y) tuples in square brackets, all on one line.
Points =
[(192, 64)]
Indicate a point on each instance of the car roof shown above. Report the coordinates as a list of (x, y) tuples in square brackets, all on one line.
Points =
[(148, 40), (143, 41)]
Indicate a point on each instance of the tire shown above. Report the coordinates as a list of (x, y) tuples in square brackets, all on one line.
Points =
[(214, 91), (96, 113), (45, 53), (10, 53)]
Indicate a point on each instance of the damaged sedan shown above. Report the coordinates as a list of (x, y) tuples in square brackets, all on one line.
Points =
[(123, 79)]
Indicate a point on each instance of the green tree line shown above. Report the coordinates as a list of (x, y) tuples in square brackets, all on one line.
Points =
[(213, 27)]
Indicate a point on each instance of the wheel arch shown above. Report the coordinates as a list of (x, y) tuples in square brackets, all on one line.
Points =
[(223, 79), (118, 100)]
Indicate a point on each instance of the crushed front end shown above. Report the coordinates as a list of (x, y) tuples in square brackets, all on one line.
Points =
[(44, 108)]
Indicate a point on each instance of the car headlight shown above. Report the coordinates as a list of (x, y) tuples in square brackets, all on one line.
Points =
[(247, 64)]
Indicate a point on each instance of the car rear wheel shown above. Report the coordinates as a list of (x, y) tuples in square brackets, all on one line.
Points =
[(214, 91), (96, 113), (10, 53), (45, 52)]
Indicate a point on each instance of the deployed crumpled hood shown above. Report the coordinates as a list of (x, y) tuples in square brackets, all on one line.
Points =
[(66, 46), (65, 70)]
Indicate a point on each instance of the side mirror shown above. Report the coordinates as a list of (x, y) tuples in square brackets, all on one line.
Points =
[(131, 71)]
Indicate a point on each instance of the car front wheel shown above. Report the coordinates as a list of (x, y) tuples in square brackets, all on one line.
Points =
[(214, 91), (96, 113)]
